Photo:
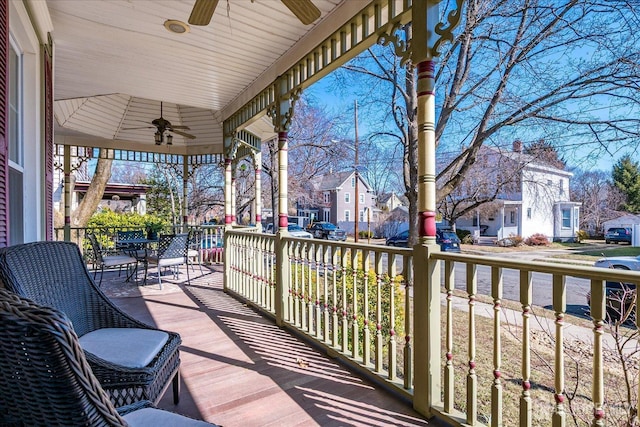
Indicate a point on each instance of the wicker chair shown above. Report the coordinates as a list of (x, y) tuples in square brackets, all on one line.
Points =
[(53, 274), (47, 381)]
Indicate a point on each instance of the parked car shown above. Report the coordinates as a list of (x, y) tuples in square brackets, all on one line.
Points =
[(327, 230), (401, 239), (447, 239), (296, 231), (617, 292), (617, 235)]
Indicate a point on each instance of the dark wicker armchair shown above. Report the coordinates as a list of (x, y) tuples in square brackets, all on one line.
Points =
[(47, 381), (53, 274)]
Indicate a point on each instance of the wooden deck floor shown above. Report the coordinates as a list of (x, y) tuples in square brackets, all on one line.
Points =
[(239, 369)]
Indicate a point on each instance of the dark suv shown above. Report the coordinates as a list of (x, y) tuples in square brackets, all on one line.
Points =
[(447, 239), (326, 230), (617, 235)]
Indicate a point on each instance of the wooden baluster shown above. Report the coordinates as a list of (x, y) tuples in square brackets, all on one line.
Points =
[(326, 254), (303, 296), (449, 370), (393, 345), (345, 305), (366, 333), (559, 307), (407, 267), (295, 294), (334, 297), (379, 338), (272, 272), (318, 262), (355, 329), (311, 297), (472, 379), (525, 300), (598, 313), (496, 388)]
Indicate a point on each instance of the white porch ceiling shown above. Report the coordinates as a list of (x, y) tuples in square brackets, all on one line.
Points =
[(121, 48)]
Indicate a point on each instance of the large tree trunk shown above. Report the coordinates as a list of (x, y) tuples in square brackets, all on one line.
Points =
[(88, 205)]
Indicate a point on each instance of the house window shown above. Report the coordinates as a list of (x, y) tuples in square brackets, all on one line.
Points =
[(347, 215), (528, 213), (361, 216), (326, 215), (16, 146), (347, 197), (561, 186), (361, 197), (353, 182), (512, 217), (576, 218), (549, 182), (327, 197), (566, 218)]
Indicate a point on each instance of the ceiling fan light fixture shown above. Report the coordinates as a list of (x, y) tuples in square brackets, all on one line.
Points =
[(169, 139), (158, 137), (177, 27)]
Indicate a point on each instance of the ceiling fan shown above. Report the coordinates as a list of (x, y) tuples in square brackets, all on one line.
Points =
[(163, 125), (304, 10)]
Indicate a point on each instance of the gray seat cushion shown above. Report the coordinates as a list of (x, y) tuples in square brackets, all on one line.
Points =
[(151, 417), (130, 347), (113, 260)]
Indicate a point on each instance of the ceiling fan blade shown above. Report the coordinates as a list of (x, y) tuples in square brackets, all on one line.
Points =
[(139, 127), (305, 10), (186, 135), (202, 12), (179, 127)]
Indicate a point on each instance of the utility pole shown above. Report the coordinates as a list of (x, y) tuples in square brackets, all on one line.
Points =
[(357, 204)]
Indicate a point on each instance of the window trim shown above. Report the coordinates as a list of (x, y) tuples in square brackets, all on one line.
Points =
[(14, 48), (563, 218)]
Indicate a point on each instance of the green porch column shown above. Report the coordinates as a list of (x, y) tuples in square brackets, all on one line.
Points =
[(256, 212), (185, 193), (281, 112), (427, 306), (234, 194), (68, 188), (227, 192)]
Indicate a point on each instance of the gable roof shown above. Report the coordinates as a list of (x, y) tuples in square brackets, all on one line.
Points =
[(335, 180)]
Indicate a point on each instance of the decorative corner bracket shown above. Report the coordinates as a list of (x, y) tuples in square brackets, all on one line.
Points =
[(281, 110), (401, 47), (445, 31)]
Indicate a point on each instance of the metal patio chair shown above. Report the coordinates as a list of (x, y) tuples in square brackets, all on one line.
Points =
[(128, 242), (105, 259), (132, 361), (172, 252), (194, 252), (47, 381)]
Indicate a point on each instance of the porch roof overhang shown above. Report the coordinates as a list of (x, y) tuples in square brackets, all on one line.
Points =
[(216, 79)]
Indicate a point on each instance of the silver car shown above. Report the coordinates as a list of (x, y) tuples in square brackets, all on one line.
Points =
[(619, 296), (620, 262), (296, 231)]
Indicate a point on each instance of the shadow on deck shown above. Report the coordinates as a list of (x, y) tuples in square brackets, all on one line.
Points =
[(240, 369)]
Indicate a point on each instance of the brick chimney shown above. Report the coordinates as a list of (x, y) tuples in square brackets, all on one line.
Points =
[(517, 146)]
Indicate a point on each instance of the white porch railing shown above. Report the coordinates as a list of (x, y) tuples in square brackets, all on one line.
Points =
[(362, 304)]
